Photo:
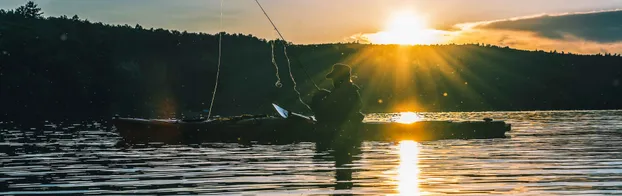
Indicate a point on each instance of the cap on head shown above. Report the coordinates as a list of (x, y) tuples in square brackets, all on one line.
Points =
[(340, 71)]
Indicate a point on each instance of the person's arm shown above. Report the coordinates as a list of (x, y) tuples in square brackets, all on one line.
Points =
[(357, 98), (318, 104), (359, 106), (318, 98)]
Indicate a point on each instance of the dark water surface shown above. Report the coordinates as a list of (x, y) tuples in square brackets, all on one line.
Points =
[(548, 153)]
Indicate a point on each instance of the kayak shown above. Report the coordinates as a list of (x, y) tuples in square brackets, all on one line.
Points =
[(291, 128)]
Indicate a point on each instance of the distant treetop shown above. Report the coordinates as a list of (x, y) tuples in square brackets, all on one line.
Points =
[(30, 10)]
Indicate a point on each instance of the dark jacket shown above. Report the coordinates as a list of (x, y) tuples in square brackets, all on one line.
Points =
[(341, 105)]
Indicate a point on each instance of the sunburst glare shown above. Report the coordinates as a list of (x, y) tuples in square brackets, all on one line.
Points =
[(405, 28)]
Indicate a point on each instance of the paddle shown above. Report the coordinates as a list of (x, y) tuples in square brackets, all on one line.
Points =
[(291, 115)]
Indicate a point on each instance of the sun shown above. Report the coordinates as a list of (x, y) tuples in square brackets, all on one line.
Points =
[(405, 28)]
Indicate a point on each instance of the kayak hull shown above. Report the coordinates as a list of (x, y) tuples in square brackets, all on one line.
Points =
[(273, 130)]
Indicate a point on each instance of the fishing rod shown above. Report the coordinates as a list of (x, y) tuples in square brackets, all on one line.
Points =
[(298, 62), (211, 104)]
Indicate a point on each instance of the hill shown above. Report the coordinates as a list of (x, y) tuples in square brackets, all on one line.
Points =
[(71, 68)]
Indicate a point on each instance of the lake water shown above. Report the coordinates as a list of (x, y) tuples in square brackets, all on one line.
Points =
[(547, 153)]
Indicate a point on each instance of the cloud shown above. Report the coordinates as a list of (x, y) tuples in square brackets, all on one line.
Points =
[(532, 41), (603, 27), (583, 32)]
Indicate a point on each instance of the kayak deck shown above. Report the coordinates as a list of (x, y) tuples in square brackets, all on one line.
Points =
[(274, 130)]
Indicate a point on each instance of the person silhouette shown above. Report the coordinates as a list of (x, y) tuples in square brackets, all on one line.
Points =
[(343, 103), (337, 111)]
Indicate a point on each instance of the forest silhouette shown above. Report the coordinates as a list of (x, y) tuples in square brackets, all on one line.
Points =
[(55, 68)]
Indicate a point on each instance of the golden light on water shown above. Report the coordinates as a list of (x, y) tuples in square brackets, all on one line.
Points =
[(408, 170), (408, 118), (405, 28)]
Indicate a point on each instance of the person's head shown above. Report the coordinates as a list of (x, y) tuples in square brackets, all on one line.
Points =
[(340, 73)]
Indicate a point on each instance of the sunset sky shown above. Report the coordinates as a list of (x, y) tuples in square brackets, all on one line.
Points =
[(580, 26)]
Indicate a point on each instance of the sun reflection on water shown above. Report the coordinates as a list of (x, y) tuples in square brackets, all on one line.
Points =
[(408, 170), (408, 118)]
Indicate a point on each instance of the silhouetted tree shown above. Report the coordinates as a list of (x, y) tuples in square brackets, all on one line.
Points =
[(30, 10)]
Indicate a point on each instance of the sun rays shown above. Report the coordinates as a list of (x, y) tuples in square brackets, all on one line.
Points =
[(403, 76), (403, 72)]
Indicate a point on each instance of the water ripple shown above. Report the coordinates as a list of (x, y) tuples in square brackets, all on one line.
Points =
[(547, 153)]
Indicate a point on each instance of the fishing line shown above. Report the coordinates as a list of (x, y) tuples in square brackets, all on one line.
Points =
[(278, 83), (289, 68), (285, 43), (209, 112)]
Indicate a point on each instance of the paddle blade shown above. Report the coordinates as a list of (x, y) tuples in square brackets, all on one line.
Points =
[(283, 112)]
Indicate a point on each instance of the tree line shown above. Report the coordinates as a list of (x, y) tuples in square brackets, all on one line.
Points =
[(56, 68)]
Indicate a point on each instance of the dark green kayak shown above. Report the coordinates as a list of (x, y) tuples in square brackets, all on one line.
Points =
[(291, 128)]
